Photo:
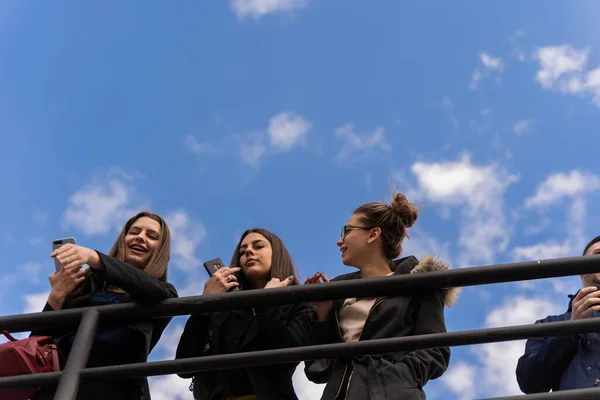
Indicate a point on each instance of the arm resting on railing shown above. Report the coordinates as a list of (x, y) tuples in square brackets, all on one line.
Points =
[(141, 286), (541, 367)]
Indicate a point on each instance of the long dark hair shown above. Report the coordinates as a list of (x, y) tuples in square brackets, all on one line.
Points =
[(282, 264)]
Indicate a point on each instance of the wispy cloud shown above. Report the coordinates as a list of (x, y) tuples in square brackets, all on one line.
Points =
[(563, 185), (476, 190), (448, 106), (287, 129), (186, 236), (259, 8), (564, 68), (522, 126), (193, 146), (101, 207), (486, 66), (360, 144)]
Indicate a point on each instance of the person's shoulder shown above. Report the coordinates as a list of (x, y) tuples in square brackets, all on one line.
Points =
[(346, 277)]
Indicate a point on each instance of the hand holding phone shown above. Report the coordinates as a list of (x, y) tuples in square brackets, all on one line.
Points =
[(56, 243), (225, 276)]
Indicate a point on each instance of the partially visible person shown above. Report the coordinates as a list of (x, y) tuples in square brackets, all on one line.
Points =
[(260, 261), (371, 241), (566, 362), (135, 270)]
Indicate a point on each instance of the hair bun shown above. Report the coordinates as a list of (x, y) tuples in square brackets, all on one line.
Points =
[(407, 212)]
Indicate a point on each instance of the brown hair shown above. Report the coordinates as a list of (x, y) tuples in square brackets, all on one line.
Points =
[(282, 264), (393, 220), (158, 264)]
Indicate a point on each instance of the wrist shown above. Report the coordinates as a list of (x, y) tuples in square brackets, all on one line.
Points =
[(94, 260), (56, 299)]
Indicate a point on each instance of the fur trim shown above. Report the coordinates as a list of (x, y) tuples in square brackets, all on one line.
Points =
[(430, 263)]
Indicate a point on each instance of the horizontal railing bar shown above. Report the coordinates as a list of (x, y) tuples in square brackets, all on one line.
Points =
[(338, 350), (576, 394), (385, 286)]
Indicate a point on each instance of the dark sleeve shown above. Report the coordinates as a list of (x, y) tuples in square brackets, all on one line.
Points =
[(195, 339), (430, 363), (141, 286), (545, 359), (283, 330), (321, 332)]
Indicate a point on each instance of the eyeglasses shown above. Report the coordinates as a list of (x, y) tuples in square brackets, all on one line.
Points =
[(348, 228)]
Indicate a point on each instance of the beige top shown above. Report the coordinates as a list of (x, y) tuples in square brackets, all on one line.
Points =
[(353, 315)]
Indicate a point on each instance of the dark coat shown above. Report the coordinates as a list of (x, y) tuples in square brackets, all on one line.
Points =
[(270, 328), (140, 286), (560, 363), (400, 375)]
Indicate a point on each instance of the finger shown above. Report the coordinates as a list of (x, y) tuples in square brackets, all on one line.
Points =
[(274, 280), (288, 281), (230, 285), (80, 273), (324, 277), (590, 301), (229, 271), (62, 249), (73, 266), (584, 292), (587, 313), (79, 280)]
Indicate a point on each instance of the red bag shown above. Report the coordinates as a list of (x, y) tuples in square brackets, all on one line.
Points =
[(27, 356)]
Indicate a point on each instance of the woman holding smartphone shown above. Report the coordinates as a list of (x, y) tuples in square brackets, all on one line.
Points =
[(260, 261), (371, 241), (134, 270)]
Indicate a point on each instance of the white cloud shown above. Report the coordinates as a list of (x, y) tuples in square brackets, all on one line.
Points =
[(561, 185), (542, 251), (196, 147), (522, 126), (28, 272), (499, 360), (100, 208), (478, 191), (287, 129), (186, 236), (461, 380), (258, 8), (253, 147), (35, 302), (487, 66), (449, 107), (563, 68), (361, 143)]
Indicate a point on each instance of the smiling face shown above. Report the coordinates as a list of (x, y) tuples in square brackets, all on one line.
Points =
[(141, 242), (256, 256), (355, 245)]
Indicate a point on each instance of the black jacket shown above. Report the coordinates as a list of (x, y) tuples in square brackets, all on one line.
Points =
[(140, 286), (399, 375), (269, 328)]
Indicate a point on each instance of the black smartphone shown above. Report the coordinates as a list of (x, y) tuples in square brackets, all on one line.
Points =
[(213, 266)]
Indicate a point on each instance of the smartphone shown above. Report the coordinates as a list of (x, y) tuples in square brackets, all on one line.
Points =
[(213, 266), (56, 243)]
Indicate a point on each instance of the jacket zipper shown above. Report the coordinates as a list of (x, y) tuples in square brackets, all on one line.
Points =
[(359, 339), (341, 339)]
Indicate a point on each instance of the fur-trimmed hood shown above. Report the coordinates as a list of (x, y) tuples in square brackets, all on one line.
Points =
[(428, 263)]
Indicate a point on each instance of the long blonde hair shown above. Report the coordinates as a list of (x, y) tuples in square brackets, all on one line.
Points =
[(158, 264)]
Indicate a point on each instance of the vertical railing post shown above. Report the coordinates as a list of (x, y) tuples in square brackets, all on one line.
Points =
[(68, 384)]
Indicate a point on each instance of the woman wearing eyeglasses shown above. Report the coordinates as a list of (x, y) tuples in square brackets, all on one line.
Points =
[(371, 241)]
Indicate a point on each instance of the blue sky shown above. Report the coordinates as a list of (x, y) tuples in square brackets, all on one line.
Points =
[(288, 114)]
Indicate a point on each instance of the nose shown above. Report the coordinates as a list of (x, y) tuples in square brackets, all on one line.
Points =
[(248, 251), (340, 242)]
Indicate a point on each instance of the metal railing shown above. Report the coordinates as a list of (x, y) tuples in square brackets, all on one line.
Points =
[(87, 320)]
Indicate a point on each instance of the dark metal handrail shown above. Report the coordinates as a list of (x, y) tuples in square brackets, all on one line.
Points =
[(396, 285)]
